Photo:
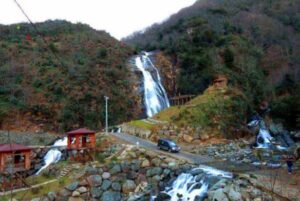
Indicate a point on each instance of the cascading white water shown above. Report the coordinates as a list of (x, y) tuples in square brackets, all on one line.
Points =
[(155, 96), (263, 138), (53, 155), (187, 186)]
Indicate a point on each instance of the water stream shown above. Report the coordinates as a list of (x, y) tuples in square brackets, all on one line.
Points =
[(54, 154), (195, 184), (155, 96)]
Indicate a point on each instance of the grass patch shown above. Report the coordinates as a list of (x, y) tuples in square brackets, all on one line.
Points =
[(141, 124), (217, 110), (42, 190)]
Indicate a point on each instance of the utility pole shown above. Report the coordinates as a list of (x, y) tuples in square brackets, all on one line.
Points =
[(106, 114)]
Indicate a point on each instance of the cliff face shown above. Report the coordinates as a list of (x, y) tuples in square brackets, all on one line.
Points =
[(58, 81), (168, 70)]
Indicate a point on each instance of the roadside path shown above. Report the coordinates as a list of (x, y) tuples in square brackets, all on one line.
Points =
[(193, 158)]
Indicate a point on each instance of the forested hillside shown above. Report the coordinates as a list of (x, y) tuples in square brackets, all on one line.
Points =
[(58, 79), (252, 42)]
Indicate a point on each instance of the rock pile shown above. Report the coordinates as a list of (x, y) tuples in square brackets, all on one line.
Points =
[(132, 176)]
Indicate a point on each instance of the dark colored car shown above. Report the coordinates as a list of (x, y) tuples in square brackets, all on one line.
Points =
[(168, 145)]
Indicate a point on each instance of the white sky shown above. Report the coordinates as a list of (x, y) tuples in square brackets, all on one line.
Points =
[(118, 17)]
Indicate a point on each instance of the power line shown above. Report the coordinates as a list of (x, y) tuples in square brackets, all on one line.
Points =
[(39, 33)]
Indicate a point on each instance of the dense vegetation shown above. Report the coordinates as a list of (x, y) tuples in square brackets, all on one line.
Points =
[(59, 79), (218, 111), (254, 43)]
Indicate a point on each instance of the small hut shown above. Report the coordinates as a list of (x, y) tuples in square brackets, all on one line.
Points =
[(14, 157), (14, 163), (81, 144)]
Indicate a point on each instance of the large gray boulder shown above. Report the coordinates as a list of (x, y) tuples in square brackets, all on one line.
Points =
[(115, 169), (116, 186), (105, 185), (94, 180), (73, 186), (128, 186), (217, 195), (111, 196)]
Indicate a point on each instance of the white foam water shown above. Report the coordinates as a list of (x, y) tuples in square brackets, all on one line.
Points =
[(188, 187), (155, 96), (54, 154)]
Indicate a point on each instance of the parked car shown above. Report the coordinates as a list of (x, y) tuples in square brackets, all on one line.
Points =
[(168, 145)]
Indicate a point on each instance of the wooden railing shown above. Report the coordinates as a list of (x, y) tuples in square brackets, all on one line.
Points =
[(181, 100), (80, 146)]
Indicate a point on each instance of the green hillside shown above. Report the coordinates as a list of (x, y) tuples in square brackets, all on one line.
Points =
[(59, 80), (254, 43), (217, 111)]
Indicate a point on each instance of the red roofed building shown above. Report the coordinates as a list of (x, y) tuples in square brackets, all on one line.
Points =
[(14, 157), (80, 143)]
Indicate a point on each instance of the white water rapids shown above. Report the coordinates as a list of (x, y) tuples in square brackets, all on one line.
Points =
[(188, 186), (155, 96), (53, 155)]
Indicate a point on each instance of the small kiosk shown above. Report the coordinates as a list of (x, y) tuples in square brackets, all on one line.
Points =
[(81, 144), (14, 164)]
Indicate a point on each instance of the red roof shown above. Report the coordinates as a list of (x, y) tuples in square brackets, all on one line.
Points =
[(13, 147), (81, 131)]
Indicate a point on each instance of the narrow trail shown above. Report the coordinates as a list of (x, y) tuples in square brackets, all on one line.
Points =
[(27, 188)]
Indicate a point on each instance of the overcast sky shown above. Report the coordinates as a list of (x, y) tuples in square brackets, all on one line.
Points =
[(118, 17)]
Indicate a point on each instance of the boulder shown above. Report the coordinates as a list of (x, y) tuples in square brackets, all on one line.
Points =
[(154, 171), (64, 193), (94, 180), (156, 162), (135, 165), (162, 196), (145, 163), (116, 186), (204, 136), (105, 185), (128, 186), (234, 195), (106, 175), (75, 194), (111, 196), (187, 138), (90, 170), (82, 189), (73, 186), (115, 169), (96, 192), (217, 195), (75, 199), (51, 196)]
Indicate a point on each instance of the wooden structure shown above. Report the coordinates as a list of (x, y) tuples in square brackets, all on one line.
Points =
[(220, 81), (14, 163), (181, 100), (81, 144)]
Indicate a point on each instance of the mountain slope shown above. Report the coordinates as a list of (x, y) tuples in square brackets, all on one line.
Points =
[(253, 43), (61, 82)]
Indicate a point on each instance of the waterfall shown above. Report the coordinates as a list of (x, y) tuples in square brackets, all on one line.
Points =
[(53, 155), (263, 138), (195, 184), (155, 95)]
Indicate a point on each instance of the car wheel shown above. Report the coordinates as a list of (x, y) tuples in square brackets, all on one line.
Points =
[(170, 150)]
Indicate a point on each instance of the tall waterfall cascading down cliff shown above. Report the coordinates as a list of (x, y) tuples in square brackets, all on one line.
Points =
[(155, 95)]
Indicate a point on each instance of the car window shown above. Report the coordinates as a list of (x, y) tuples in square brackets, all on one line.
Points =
[(172, 144)]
